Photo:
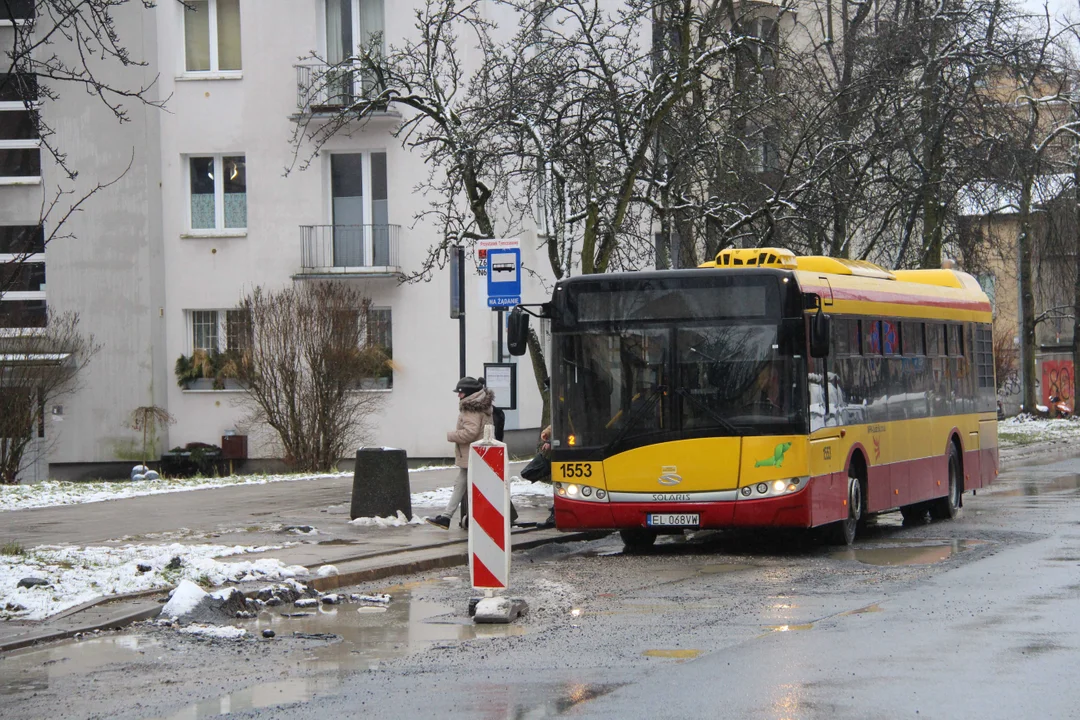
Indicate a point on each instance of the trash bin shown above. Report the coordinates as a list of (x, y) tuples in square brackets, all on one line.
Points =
[(381, 483)]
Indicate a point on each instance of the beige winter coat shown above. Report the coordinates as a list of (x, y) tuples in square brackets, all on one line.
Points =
[(474, 412)]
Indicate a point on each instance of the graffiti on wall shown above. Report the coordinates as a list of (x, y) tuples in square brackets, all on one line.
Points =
[(1057, 379)]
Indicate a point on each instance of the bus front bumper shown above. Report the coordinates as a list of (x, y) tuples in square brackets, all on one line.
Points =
[(792, 510)]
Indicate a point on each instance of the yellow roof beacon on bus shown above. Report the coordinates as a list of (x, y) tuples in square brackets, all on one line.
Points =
[(765, 389)]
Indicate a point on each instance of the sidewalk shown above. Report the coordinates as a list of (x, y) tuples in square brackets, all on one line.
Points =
[(250, 513)]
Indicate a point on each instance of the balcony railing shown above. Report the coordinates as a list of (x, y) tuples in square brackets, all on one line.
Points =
[(349, 249), (330, 88)]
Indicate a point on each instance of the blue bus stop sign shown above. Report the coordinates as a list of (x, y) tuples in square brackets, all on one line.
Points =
[(504, 277)]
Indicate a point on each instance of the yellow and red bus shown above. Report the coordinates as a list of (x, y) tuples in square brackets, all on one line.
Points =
[(767, 390)]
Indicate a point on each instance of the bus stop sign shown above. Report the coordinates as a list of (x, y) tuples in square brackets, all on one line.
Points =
[(504, 277)]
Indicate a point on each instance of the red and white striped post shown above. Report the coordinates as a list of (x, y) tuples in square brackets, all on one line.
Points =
[(489, 514)]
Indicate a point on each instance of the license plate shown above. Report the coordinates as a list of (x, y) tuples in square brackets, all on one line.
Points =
[(673, 519)]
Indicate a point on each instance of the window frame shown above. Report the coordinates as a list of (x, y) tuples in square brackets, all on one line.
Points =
[(11, 22), (214, 72), (222, 326), (219, 229), (26, 258), (30, 106)]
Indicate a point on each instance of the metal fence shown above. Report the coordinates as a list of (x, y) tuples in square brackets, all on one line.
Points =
[(349, 246), (328, 88)]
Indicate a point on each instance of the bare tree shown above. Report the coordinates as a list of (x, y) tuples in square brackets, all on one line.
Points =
[(36, 369), (147, 419), (310, 354)]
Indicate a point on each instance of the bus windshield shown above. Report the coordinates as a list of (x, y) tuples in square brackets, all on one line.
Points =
[(618, 388)]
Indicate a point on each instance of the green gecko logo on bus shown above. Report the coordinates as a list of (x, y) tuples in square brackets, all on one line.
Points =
[(777, 459)]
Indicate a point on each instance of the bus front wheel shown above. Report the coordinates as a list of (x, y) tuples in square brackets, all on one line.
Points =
[(844, 531), (946, 508), (637, 538)]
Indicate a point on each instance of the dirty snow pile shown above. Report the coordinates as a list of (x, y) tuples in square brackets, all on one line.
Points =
[(394, 521), (1025, 429), (77, 575), (218, 632), (518, 489)]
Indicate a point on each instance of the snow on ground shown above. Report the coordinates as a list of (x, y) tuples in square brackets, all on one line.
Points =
[(221, 632), (393, 521), (58, 492), (1025, 429), (78, 575), (518, 488)]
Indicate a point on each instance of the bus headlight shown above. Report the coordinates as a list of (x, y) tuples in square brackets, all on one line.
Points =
[(573, 491), (773, 488)]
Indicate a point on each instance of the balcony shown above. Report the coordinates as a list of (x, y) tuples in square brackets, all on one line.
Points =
[(349, 250), (329, 89)]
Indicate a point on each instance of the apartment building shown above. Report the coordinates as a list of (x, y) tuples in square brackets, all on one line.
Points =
[(158, 262)]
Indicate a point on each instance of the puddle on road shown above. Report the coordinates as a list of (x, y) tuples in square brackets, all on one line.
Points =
[(368, 636), (790, 628), (33, 670), (544, 700), (364, 640), (926, 552), (1033, 487)]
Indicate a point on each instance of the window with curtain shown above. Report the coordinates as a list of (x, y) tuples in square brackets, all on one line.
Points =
[(218, 192), (352, 24), (212, 36)]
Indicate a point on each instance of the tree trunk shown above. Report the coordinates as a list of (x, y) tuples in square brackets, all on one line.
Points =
[(1076, 266), (1027, 333)]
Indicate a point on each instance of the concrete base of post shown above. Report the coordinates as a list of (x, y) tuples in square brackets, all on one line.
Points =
[(497, 609)]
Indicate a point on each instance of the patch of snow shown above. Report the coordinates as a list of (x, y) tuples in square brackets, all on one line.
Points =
[(77, 575), (183, 599), (518, 488), (1025, 429), (221, 632), (326, 571), (377, 599), (55, 492), (395, 521)]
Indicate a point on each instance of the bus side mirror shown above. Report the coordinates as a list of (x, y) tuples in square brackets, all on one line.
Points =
[(820, 334), (517, 332)]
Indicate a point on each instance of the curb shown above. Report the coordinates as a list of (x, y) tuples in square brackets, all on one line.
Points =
[(322, 584)]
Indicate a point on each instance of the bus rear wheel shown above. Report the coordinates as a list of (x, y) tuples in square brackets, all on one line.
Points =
[(844, 531), (637, 538), (946, 508)]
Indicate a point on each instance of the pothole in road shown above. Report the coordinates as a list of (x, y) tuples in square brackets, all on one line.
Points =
[(33, 670), (926, 552)]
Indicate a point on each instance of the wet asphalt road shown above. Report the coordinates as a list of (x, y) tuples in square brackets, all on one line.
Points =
[(977, 617)]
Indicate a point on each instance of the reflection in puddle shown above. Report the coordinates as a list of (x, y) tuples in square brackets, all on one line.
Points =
[(676, 654), (875, 608), (32, 670), (537, 701), (790, 628), (926, 553)]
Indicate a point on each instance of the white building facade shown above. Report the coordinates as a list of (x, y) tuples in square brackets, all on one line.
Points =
[(157, 263)]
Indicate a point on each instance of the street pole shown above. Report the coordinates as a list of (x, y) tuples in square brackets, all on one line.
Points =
[(457, 300), (502, 320)]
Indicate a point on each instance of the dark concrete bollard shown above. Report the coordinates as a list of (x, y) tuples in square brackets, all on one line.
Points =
[(380, 483)]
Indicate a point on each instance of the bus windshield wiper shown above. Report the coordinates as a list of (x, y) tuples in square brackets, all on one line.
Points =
[(720, 419), (636, 414)]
